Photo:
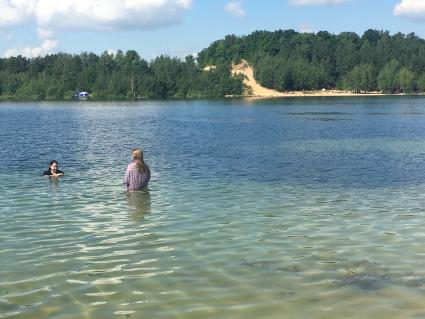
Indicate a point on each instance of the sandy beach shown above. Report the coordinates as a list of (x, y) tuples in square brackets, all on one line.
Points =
[(258, 91)]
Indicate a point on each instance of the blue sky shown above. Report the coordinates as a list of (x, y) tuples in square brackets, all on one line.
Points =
[(181, 27)]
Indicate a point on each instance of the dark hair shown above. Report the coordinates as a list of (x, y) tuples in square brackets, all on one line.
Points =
[(51, 163)]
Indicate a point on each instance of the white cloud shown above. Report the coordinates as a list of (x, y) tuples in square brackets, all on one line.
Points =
[(305, 27), (46, 47), (316, 2), (110, 14), (411, 9), (44, 34), (235, 8), (93, 14), (13, 12), (53, 16), (112, 51)]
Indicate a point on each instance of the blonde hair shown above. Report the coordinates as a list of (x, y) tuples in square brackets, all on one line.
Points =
[(137, 156)]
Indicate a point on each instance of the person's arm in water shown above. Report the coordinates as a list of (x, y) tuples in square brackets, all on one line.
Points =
[(126, 179), (49, 173), (58, 173), (148, 174)]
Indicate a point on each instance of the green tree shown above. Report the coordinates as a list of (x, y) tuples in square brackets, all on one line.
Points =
[(360, 78), (405, 80), (420, 83), (387, 78)]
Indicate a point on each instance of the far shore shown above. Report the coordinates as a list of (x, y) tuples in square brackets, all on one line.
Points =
[(315, 93), (256, 91), (290, 94), (319, 93)]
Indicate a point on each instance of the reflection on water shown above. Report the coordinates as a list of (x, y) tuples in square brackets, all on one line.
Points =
[(54, 181), (139, 203)]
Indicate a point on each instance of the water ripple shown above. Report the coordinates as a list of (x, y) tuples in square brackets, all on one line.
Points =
[(249, 214)]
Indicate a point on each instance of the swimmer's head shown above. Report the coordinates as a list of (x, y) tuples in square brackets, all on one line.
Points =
[(53, 166)]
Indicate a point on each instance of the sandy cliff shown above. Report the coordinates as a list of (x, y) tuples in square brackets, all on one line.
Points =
[(256, 90)]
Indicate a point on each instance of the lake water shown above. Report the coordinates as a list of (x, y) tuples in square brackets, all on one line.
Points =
[(290, 208)]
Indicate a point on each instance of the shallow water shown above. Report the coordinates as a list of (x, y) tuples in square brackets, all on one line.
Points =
[(295, 208)]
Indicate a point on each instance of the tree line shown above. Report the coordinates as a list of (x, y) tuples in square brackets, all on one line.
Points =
[(119, 76), (282, 60), (288, 60)]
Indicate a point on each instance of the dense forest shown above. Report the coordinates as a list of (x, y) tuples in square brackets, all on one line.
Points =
[(282, 60), (288, 60), (112, 77)]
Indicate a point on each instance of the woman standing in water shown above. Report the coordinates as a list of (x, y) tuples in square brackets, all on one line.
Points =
[(53, 169), (138, 173)]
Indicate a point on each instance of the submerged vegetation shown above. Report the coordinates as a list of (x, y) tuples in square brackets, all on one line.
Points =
[(282, 60)]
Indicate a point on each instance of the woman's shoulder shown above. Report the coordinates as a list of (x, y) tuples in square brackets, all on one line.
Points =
[(131, 165)]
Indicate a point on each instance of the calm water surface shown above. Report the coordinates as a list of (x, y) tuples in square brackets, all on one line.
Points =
[(303, 208)]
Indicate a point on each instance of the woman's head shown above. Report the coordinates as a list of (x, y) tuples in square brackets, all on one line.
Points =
[(137, 156), (53, 166)]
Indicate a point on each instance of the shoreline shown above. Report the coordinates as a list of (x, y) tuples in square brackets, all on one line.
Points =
[(292, 94), (315, 93), (255, 91), (328, 93)]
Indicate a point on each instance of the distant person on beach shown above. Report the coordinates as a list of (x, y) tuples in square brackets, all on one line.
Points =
[(138, 173), (53, 169)]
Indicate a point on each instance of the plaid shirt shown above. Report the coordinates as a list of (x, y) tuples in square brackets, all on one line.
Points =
[(134, 180)]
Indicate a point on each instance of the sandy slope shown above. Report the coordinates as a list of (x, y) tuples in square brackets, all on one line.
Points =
[(259, 91)]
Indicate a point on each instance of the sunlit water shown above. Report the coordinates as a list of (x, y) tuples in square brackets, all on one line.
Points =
[(293, 208)]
